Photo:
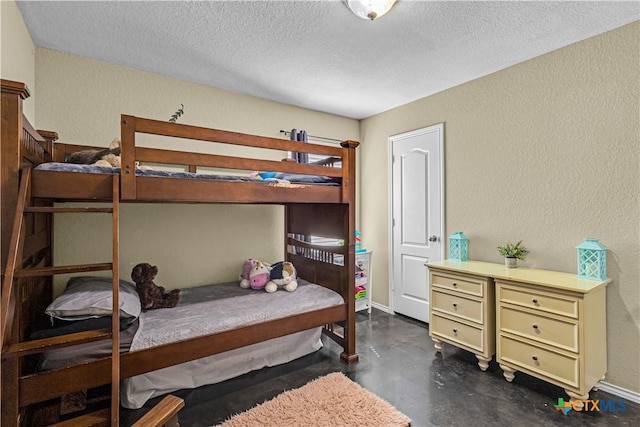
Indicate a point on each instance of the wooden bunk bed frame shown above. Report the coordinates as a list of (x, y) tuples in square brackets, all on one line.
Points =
[(28, 197)]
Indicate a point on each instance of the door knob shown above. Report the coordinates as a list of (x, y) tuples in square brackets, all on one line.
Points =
[(433, 238)]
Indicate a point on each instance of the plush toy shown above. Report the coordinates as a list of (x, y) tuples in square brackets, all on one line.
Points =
[(112, 158), (109, 157), (259, 275), (283, 274), (106, 157), (246, 271), (151, 295)]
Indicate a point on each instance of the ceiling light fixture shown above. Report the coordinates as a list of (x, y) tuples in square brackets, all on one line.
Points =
[(369, 9)]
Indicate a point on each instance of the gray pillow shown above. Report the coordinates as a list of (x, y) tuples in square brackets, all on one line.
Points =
[(87, 297)]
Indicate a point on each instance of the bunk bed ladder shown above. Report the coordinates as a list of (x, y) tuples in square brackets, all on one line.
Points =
[(14, 271)]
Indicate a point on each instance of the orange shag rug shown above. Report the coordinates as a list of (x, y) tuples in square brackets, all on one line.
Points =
[(332, 400)]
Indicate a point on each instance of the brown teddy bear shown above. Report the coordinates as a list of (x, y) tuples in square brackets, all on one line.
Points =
[(151, 295)]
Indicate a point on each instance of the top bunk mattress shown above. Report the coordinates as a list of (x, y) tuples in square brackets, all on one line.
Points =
[(282, 178)]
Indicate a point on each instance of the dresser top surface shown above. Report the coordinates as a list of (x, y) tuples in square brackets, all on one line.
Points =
[(553, 279)]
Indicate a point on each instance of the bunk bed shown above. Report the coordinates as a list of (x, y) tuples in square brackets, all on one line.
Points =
[(32, 192)]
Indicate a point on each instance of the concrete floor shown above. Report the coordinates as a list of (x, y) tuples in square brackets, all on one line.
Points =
[(399, 364)]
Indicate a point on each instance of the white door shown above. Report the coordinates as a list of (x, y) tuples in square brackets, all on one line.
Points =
[(417, 215)]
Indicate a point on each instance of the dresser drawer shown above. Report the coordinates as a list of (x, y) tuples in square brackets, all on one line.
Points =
[(457, 305), (463, 284), (458, 332), (555, 332), (565, 306), (555, 366)]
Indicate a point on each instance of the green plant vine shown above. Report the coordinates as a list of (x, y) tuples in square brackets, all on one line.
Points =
[(177, 114)]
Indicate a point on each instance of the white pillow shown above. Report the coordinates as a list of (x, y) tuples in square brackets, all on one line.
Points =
[(87, 297)]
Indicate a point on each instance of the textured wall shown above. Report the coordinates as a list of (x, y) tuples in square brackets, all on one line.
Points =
[(547, 151), (82, 100), (17, 53)]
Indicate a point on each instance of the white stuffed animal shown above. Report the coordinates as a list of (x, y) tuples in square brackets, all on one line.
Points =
[(283, 274), (112, 157)]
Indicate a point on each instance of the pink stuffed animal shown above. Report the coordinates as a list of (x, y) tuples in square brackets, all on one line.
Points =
[(259, 276), (247, 266)]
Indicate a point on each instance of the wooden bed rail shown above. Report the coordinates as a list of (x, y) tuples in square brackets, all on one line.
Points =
[(130, 153), (46, 385), (154, 155), (131, 124)]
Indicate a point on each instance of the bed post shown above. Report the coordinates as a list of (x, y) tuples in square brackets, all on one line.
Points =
[(127, 154), (13, 93), (50, 138), (21, 147), (349, 197)]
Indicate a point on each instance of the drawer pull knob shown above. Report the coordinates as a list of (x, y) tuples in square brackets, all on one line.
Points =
[(455, 305), (535, 326), (455, 331), (455, 284), (535, 301), (535, 358)]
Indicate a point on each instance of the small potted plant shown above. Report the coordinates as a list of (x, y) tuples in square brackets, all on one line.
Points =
[(512, 253)]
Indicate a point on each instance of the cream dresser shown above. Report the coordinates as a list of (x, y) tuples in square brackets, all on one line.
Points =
[(462, 310), (548, 324)]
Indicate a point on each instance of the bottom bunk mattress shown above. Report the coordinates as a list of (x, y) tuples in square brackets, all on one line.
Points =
[(201, 311)]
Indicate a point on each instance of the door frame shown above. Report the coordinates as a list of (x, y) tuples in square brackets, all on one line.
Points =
[(391, 139)]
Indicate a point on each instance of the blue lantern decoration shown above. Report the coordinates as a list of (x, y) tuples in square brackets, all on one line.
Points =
[(458, 246), (592, 260)]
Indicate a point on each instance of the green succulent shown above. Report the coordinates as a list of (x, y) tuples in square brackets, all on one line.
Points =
[(510, 250)]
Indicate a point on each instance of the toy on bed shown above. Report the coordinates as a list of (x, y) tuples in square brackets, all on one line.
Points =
[(246, 271), (283, 274), (109, 157), (259, 275), (269, 176), (255, 274), (151, 295)]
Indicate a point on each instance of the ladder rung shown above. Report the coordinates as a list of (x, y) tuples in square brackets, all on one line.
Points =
[(38, 346), (49, 271), (94, 419), (41, 209)]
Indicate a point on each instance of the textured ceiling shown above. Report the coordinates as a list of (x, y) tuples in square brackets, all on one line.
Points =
[(317, 54)]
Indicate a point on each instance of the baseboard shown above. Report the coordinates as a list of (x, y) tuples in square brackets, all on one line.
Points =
[(620, 392), (380, 307)]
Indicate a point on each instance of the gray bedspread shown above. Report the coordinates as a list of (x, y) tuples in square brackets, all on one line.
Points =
[(202, 310), (209, 309)]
